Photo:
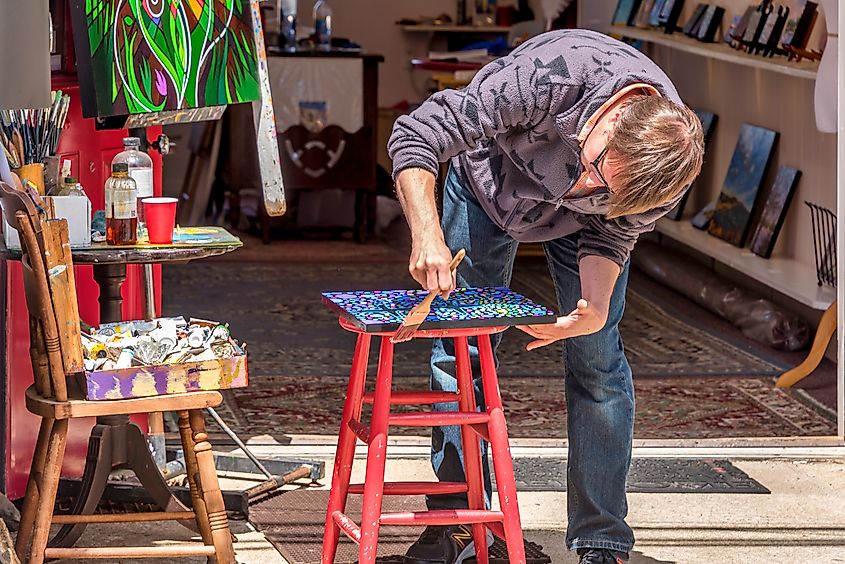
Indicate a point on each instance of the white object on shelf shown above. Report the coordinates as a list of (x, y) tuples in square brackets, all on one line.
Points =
[(75, 209), (788, 276), (720, 51)]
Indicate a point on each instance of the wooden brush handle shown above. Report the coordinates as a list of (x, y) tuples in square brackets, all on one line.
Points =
[(456, 260)]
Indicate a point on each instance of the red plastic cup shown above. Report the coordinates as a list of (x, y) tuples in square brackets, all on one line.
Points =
[(160, 214)]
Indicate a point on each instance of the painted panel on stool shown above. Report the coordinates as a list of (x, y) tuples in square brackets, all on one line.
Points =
[(774, 211), (383, 310), (745, 174)]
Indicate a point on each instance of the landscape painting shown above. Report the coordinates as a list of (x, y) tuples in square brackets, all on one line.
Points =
[(701, 220), (745, 174), (774, 211), (708, 123), (146, 56)]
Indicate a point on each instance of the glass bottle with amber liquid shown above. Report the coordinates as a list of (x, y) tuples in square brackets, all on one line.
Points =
[(121, 207)]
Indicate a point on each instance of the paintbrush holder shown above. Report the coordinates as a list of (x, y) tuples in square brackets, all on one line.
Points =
[(33, 173), (51, 176)]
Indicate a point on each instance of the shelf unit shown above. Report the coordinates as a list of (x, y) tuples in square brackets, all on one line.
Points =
[(720, 51), (787, 276), (456, 29)]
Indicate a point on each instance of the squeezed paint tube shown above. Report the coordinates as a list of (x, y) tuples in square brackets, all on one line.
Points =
[(220, 333), (196, 338), (165, 336), (125, 358)]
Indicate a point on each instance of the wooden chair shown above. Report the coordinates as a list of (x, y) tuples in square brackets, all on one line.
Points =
[(57, 362)]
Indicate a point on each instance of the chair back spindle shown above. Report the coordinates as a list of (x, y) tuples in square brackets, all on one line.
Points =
[(50, 289)]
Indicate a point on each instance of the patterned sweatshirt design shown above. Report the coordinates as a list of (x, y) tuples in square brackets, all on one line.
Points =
[(512, 137)]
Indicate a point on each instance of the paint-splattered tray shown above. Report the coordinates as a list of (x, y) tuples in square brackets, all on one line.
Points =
[(383, 310), (136, 382)]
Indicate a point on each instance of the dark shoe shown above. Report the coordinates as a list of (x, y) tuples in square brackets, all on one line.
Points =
[(444, 545), (601, 556)]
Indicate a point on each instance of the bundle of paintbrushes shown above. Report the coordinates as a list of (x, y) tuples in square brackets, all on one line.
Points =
[(30, 136)]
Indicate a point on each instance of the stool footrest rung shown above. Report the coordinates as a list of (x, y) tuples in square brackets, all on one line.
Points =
[(442, 517), (416, 488), (347, 525), (419, 397), (361, 431), (439, 418)]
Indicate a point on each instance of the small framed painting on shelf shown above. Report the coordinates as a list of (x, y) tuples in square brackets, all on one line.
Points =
[(708, 123), (691, 27), (711, 21), (774, 211), (626, 12)]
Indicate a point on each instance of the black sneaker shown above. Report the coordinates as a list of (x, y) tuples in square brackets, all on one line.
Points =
[(444, 545), (601, 556)]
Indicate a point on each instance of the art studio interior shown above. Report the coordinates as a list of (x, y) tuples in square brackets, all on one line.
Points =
[(529, 281)]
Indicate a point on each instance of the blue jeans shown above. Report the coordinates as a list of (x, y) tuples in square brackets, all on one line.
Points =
[(599, 389)]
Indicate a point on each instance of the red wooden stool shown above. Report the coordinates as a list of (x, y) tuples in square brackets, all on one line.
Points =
[(489, 425)]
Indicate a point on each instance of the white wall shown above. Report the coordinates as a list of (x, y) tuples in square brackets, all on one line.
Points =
[(372, 24)]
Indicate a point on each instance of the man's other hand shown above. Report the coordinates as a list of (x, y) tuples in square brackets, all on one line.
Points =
[(583, 320), (429, 265)]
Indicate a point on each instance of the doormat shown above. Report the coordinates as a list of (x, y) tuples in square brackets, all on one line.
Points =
[(293, 521), (647, 475)]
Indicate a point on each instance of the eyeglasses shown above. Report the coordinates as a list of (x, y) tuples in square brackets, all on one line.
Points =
[(595, 166)]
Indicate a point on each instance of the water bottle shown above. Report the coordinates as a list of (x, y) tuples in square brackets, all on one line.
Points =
[(286, 12), (140, 170), (323, 25)]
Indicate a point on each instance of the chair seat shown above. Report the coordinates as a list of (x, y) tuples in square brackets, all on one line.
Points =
[(53, 409)]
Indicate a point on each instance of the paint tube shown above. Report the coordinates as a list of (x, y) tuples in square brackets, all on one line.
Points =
[(125, 358), (196, 337), (165, 336)]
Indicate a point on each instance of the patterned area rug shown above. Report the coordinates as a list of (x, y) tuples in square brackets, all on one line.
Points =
[(536, 408), (689, 381), (276, 310)]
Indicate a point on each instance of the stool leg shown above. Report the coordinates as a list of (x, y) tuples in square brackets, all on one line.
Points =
[(345, 454), (376, 456), (471, 447), (502, 462)]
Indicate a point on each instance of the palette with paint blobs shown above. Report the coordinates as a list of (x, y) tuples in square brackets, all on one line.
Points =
[(377, 311)]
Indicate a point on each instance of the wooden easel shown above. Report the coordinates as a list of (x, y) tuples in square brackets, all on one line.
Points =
[(825, 331)]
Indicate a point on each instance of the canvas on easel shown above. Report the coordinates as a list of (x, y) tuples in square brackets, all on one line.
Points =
[(745, 174), (774, 211), (156, 56)]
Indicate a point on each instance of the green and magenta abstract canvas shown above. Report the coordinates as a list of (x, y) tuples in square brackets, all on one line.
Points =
[(383, 310), (145, 56)]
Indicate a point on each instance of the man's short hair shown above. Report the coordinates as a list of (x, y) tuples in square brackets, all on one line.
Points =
[(658, 149)]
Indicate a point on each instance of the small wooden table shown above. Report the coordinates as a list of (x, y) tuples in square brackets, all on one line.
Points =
[(115, 440)]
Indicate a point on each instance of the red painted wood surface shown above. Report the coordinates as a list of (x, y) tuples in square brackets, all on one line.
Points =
[(91, 153)]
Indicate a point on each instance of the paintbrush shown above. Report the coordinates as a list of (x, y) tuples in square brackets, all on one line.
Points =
[(416, 316)]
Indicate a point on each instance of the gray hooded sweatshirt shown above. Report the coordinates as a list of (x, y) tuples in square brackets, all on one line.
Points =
[(512, 137)]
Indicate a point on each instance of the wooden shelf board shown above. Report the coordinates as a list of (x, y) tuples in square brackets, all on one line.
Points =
[(720, 51), (456, 28), (788, 276)]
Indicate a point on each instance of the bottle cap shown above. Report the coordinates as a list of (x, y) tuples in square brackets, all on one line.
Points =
[(131, 142), (120, 167)]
